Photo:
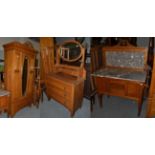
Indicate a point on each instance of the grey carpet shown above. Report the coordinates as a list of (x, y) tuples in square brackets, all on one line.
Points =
[(117, 107), (52, 109), (113, 107)]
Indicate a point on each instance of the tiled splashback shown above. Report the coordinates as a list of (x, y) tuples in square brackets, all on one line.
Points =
[(125, 59)]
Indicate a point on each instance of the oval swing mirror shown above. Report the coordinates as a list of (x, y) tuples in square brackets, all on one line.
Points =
[(70, 51)]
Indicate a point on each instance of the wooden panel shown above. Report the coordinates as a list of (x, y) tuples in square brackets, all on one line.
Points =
[(78, 95), (47, 55), (4, 102), (101, 84), (16, 75), (133, 89), (46, 42), (116, 87)]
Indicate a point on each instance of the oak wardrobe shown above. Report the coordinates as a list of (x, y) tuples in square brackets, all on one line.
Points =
[(19, 74)]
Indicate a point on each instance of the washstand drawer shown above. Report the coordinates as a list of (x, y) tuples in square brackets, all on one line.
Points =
[(116, 87)]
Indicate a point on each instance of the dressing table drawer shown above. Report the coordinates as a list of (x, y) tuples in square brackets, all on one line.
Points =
[(60, 92), (59, 85), (65, 100)]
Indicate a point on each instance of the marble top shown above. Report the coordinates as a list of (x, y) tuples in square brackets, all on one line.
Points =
[(121, 74), (4, 92)]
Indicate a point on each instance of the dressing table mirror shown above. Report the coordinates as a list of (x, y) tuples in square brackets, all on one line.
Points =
[(71, 53), (66, 82)]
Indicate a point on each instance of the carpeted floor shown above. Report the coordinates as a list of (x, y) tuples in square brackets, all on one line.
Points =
[(117, 107), (113, 107), (52, 109)]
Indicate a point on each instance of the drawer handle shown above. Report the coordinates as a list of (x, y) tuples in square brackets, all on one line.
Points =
[(31, 71), (16, 70)]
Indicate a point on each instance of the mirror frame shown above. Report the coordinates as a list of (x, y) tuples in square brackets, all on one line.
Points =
[(72, 60)]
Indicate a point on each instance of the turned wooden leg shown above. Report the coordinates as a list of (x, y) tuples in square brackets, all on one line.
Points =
[(37, 105), (100, 100), (72, 113), (92, 100), (140, 101), (91, 104), (30, 105), (8, 115), (48, 98), (42, 97)]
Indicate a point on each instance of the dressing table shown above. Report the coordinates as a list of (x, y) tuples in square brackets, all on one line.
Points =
[(65, 83), (123, 73)]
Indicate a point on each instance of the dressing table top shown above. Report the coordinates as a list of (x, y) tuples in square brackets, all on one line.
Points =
[(65, 77)]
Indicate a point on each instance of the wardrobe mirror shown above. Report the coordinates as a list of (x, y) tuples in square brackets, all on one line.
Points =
[(24, 76)]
